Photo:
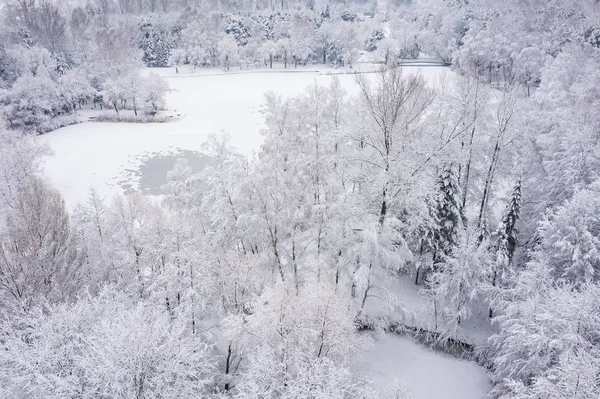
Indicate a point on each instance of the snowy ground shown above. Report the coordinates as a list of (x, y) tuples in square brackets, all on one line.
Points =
[(107, 156), (428, 374)]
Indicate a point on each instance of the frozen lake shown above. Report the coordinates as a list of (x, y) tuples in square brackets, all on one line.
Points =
[(108, 156)]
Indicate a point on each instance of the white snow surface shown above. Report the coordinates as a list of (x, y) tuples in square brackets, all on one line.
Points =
[(426, 373), (94, 154)]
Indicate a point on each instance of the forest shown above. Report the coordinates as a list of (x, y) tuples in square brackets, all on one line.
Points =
[(474, 195)]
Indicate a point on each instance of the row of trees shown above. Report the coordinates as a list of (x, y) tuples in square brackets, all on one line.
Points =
[(51, 66), (290, 37)]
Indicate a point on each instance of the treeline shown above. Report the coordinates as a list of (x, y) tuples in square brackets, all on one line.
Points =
[(55, 60)]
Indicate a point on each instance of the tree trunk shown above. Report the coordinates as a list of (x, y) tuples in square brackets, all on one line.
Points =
[(276, 253), (471, 139), (366, 294), (491, 314), (468, 169), (296, 283), (383, 211), (228, 365), (193, 307), (488, 182)]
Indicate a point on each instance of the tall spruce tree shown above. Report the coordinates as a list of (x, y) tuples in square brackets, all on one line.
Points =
[(507, 237), (449, 213), (507, 231)]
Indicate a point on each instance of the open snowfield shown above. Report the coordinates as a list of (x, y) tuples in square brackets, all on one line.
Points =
[(426, 373), (107, 156)]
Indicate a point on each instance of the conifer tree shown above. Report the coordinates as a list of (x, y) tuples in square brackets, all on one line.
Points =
[(507, 231), (450, 212), (507, 236)]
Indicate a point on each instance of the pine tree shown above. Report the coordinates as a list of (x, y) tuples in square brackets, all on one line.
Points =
[(483, 232), (507, 236), (507, 231), (450, 212)]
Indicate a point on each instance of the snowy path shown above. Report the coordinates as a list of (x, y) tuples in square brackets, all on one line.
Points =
[(427, 373)]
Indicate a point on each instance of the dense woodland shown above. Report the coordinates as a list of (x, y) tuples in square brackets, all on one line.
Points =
[(252, 278)]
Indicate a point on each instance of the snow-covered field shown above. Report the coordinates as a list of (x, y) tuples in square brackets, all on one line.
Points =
[(106, 155), (426, 373)]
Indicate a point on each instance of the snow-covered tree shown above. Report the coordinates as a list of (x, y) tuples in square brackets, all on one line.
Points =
[(457, 283), (390, 116), (291, 335), (570, 239), (228, 52), (449, 212), (34, 101), (157, 40), (39, 257), (154, 93), (20, 159), (547, 345), (507, 232)]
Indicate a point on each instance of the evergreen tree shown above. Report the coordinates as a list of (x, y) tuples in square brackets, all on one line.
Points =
[(8, 68), (449, 213), (483, 232), (507, 237), (507, 231), (157, 41)]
